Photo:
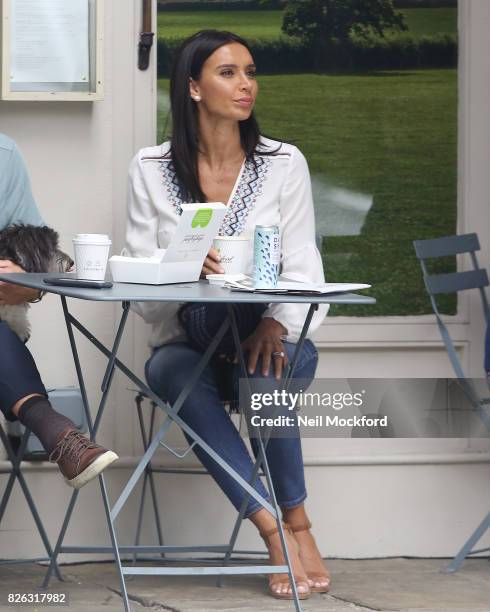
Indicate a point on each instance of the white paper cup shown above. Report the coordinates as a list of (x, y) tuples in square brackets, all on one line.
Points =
[(233, 251), (91, 255)]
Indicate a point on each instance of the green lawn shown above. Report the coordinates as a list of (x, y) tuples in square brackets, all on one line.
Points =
[(391, 136), (424, 21), (267, 24), (249, 24)]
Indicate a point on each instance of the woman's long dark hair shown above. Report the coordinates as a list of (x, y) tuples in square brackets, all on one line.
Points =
[(188, 63)]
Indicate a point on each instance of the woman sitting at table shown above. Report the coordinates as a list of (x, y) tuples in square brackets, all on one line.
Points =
[(216, 153)]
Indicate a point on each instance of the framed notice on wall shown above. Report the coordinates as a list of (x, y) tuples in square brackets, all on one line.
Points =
[(52, 49)]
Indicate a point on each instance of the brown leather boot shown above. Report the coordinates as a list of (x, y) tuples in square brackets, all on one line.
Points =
[(79, 459)]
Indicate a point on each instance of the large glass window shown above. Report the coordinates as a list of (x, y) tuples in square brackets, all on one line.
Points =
[(376, 118)]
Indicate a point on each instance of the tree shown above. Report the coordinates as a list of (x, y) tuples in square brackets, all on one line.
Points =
[(323, 22)]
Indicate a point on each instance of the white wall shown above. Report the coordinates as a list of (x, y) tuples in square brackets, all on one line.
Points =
[(78, 155), (367, 497)]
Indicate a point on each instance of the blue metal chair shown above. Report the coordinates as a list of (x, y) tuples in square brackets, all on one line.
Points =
[(437, 284), (147, 433), (14, 473)]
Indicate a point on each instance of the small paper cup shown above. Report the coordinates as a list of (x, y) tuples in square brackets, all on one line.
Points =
[(233, 251), (91, 254)]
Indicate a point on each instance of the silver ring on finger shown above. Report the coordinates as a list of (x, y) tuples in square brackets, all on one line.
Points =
[(280, 354)]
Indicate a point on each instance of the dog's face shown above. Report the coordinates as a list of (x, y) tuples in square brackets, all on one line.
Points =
[(34, 249)]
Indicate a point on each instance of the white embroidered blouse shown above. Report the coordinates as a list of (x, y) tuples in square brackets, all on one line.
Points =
[(275, 190)]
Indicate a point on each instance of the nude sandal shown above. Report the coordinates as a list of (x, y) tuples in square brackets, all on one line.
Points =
[(314, 576), (275, 559)]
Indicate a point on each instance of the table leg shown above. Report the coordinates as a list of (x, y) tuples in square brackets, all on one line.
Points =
[(106, 385), (153, 492), (171, 412), (115, 548), (147, 478), (78, 367), (151, 448), (263, 441), (287, 380)]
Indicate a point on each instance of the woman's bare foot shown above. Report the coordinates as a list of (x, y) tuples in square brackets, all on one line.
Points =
[(279, 584), (309, 555)]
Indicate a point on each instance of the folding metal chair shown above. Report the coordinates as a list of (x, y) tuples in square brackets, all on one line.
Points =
[(15, 473), (147, 433), (148, 474), (436, 284)]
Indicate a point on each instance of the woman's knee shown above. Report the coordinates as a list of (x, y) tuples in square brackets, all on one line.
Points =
[(307, 359), (169, 367)]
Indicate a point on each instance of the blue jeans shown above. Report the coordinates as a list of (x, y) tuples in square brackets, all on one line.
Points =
[(167, 372), (18, 372)]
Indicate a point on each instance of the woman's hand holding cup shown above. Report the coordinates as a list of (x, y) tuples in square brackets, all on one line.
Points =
[(212, 264)]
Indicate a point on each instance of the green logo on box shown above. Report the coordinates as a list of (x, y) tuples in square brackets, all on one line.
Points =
[(202, 217)]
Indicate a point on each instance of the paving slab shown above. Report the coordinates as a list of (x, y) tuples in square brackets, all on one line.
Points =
[(413, 584), (383, 585)]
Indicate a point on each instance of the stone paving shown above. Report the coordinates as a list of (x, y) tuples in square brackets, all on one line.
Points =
[(384, 585)]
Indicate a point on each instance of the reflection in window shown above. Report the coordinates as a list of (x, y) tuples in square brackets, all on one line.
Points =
[(379, 131)]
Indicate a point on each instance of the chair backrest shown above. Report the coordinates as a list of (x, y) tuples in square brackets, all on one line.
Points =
[(456, 281), (451, 283)]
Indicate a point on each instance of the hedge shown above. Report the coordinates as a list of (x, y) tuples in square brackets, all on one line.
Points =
[(408, 4), (243, 5), (402, 52), (287, 55), (219, 5)]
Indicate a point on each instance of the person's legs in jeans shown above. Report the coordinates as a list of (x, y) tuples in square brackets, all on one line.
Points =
[(284, 454), (167, 372), (285, 460), (23, 396), (19, 378)]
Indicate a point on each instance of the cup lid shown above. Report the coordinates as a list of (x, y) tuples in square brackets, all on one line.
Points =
[(102, 238)]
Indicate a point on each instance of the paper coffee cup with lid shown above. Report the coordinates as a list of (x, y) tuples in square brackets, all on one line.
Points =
[(233, 252), (91, 254)]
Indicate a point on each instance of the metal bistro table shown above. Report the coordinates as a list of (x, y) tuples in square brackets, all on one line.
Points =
[(183, 292)]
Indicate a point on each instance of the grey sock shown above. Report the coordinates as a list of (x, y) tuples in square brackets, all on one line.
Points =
[(38, 415)]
